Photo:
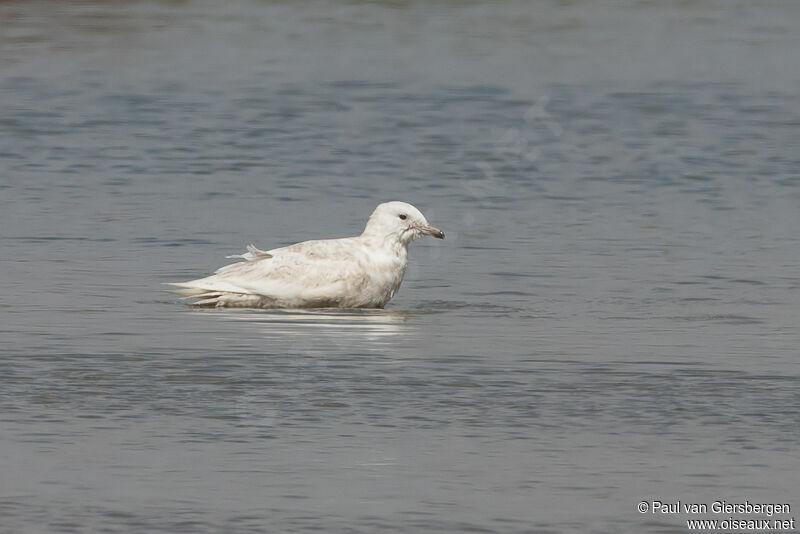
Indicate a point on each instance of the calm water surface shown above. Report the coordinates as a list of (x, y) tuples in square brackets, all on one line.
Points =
[(613, 317)]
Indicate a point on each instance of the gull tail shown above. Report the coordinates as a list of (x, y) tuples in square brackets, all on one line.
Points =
[(219, 291), (206, 298), (202, 297), (186, 291)]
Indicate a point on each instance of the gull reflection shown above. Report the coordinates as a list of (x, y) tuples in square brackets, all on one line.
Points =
[(366, 324)]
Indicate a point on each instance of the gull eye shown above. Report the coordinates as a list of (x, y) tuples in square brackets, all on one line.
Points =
[(403, 216)]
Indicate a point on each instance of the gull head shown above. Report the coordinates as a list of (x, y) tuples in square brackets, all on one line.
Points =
[(399, 221)]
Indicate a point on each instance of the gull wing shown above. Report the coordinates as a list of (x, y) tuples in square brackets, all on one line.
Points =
[(313, 270)]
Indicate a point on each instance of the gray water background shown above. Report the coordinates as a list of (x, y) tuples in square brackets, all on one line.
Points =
[(613, 317)]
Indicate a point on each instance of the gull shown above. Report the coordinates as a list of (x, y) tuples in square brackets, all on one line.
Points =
[(351, 272)]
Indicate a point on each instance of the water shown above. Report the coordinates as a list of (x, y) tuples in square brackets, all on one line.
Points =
[(613, 317)]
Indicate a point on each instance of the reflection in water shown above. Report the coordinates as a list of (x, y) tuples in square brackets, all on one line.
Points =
[(369, 325)]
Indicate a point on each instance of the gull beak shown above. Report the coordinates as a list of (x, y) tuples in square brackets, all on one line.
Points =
[(431, 231)]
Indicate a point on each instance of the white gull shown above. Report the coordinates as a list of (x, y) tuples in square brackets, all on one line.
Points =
[(350, 272)]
